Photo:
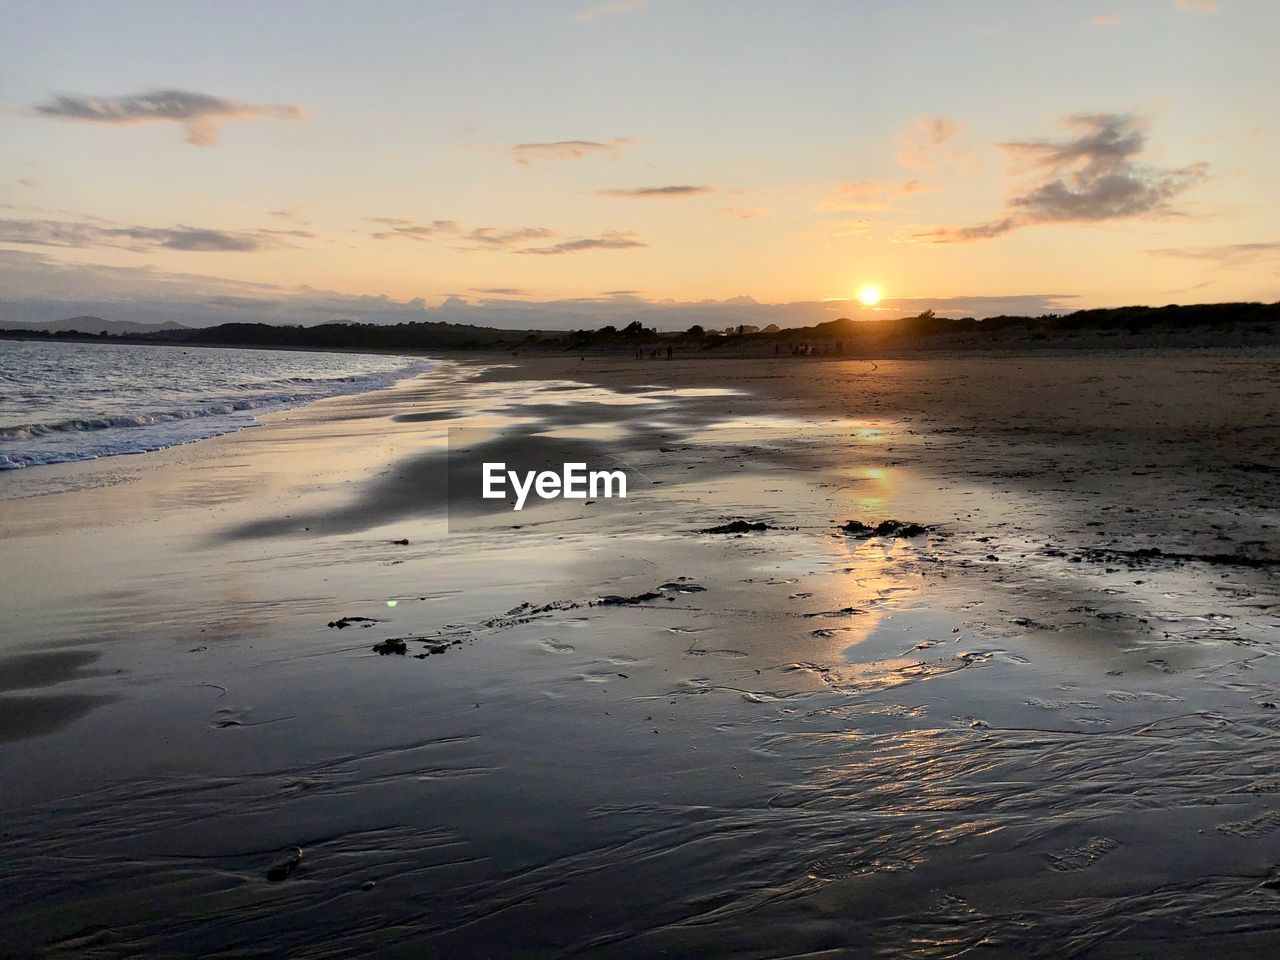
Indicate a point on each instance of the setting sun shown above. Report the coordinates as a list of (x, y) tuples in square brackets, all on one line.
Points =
[(869, 295)]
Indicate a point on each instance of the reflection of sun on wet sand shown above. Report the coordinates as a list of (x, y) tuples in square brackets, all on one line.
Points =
[(1045, 724)]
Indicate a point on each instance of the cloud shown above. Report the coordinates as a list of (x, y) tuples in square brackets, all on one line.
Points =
[(678, 191), (741, 213), (501, 291), (478, 238), (609, 240), (1226, 255), (408, 230), (1105, 20), (868, 195), (1093, 177), (492, 238), (526, 153), (95, 232), (28, 183), (1198, 6), (983, 231), (922, 142), (616, 6), (198, 113), (292, 214)]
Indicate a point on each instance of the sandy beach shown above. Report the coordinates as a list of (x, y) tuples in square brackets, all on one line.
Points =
[(1046, 726)]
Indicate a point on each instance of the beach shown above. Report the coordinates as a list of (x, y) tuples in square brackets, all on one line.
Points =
[(1043, 725)]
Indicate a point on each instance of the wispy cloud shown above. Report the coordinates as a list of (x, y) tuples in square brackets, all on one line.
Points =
[(1105, 20), (1198, 6), (198, 113), (526, 153), (492, 238), (868, 195), (501, 291), (291, 214), (98, 233), (923, 143), (1092, 177), (674, 192), (1226, 255), (477, 238), (609, 240), (396, 228), (741, 213), (616, 6)]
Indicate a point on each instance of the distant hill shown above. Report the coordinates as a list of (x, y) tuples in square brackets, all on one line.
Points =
[(93, 325)]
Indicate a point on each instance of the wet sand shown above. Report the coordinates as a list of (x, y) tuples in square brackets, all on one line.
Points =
[(1046, 727)]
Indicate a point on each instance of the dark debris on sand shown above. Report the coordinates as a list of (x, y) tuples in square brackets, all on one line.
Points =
[(739, 526), (432, 645), (681, 585), (613, 600), (282, 868), (344, 622), (886, 528), (1145, 556), (528, 612), (436, 646)]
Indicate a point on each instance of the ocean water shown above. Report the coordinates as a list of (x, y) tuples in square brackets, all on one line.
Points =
[(80, 401)]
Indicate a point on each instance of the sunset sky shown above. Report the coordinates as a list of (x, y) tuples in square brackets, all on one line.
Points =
[(559, 163)]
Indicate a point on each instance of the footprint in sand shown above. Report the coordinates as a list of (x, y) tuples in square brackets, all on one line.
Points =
[(1129, 696), (1260, 826), (555, 646), (1084, 856)]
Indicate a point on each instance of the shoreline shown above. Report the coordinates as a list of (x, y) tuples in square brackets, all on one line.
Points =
[(83, 428)]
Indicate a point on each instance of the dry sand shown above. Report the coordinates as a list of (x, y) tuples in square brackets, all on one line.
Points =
[(1024, 733)]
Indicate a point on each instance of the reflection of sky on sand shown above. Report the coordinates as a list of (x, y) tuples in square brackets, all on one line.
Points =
[(571, 393), (776, 426), (587, 431)]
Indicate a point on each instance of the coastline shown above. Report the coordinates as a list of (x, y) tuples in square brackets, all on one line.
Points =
[(828, 727)]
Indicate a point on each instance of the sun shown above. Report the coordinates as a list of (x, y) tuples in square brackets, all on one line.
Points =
[(869, 295)]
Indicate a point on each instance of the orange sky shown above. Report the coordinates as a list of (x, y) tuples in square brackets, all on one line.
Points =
[(977, 157)]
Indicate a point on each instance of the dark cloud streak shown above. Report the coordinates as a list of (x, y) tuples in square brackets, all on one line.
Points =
[(66, 233), (525, 153), (676, 191), (200, 114), (610, 240)]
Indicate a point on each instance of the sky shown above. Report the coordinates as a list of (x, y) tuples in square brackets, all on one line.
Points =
[(570, 163)]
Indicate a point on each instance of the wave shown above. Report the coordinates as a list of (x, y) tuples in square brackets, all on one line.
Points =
[(212, 409), (92, 437)]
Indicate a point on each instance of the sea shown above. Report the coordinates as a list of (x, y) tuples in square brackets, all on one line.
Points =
[(80, 401)]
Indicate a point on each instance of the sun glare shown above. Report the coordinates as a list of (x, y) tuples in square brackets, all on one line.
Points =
[(869, 295)]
